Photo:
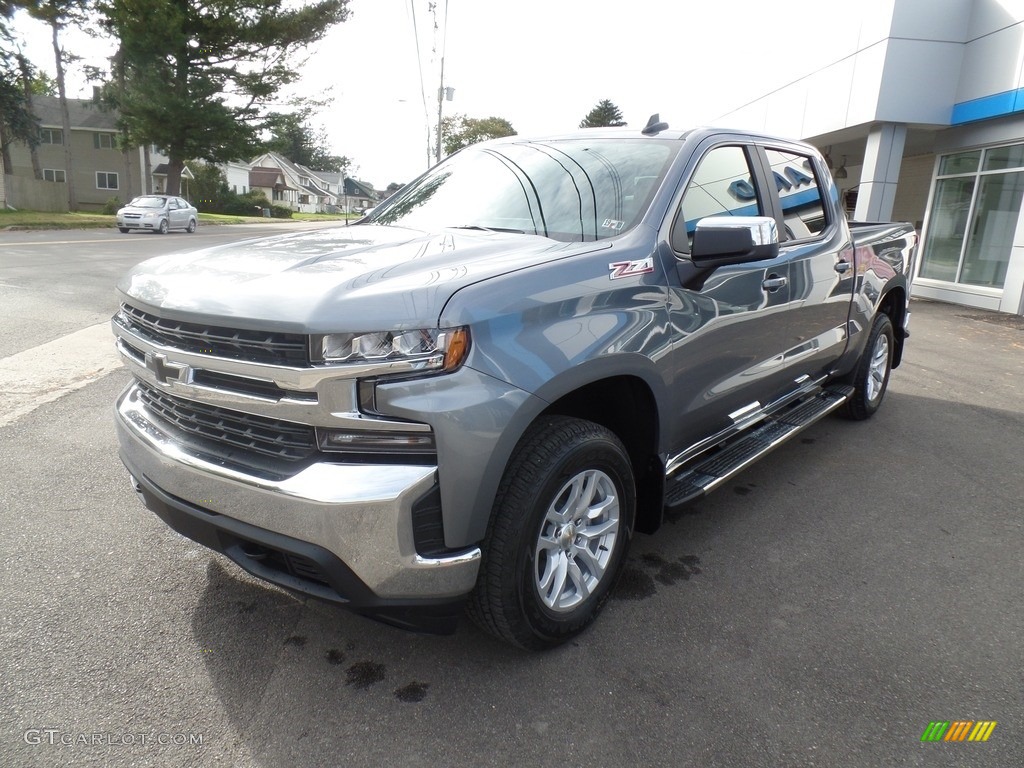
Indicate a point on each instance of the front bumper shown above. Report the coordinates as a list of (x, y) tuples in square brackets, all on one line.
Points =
[(339, 532)]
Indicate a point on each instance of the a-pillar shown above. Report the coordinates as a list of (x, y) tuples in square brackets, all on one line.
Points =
[(882, 158)]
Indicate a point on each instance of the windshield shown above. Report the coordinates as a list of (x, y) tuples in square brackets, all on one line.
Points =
[(573, 190), (148, 202)]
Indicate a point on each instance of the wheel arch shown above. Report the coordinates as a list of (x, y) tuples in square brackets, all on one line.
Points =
[(894, 304), (635, 421)]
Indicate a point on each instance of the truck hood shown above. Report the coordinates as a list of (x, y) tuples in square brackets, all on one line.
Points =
[(359, 278)]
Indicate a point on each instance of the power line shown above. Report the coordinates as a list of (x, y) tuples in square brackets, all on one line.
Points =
[(419, 64)]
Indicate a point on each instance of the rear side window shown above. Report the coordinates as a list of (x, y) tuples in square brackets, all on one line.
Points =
[(800, 194), (722, 185)]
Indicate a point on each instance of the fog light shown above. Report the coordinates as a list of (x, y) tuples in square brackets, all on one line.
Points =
[(349, 441)]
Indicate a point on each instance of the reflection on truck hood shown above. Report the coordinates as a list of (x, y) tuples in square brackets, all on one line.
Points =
[(343, 278)]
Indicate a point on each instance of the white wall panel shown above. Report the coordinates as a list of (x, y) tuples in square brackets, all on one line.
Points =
[(992, 64), (938, 20), (920, 82)]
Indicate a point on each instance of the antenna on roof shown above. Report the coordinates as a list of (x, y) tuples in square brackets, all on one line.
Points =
[(654, 125)]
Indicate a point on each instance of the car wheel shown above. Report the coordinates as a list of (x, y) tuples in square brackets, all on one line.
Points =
[(558, 534), (191, 226), (124, 230), (871, 376), (163, 227)]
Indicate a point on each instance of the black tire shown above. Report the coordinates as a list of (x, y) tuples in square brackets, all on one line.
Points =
[(163, 227), (124, 230), (191, 226), (532, 536), (871, 376)]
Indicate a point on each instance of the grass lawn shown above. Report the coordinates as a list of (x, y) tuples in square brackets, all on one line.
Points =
[(42, 220)]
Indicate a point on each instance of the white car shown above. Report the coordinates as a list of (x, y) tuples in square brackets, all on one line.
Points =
[(159, 214)]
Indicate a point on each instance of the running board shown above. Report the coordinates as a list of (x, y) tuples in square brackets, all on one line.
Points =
[(709, 473)]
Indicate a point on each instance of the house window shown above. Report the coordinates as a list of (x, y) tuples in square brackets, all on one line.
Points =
[(51, 136), (103, 141), (106, 180), (976, 203), (49, 174)]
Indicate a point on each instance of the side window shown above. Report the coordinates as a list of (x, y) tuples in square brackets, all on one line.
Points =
[(722, 185), (800, 194)]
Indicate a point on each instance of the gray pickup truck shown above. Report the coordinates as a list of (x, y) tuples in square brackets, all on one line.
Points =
[(473, 398)]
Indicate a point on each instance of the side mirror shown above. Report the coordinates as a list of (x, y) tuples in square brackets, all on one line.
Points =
[(722, 240)]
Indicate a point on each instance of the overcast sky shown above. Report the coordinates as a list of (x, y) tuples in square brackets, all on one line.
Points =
[(541, 64)]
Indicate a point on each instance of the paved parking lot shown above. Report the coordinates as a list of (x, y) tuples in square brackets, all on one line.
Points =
[(820, 610)]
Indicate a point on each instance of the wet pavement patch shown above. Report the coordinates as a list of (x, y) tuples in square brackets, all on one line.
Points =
[(297, 640), (641, 575), (413, 692), (634, 584), (334, 656), (364, 674)]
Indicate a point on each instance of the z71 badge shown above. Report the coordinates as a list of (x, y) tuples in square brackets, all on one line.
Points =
[(621, 269)]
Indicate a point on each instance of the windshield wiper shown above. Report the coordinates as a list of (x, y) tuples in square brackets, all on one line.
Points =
[(490, 229)]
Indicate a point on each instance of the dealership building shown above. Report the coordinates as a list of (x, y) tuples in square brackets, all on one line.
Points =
[(921, 117)]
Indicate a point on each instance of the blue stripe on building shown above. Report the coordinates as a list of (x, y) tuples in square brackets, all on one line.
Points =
[(996, 105)]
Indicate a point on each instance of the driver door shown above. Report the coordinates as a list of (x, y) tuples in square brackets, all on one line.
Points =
[(729, 324)]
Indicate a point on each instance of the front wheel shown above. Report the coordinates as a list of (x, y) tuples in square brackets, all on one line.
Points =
[(558, 535), (871, 376), (123, 230), (163, 227)]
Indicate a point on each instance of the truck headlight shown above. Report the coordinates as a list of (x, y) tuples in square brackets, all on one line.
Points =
[(426, 348)]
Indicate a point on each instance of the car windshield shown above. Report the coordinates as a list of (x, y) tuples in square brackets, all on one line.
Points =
[(573, 189), (148, 202)]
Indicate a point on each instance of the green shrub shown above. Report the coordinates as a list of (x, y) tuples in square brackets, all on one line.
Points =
[(112, 205), (280, 212)]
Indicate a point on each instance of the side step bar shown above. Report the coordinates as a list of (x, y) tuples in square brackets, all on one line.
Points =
[(711, 472)]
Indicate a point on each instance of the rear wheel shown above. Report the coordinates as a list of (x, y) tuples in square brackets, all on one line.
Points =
[(191, 226), (871, 376), (558, 534)]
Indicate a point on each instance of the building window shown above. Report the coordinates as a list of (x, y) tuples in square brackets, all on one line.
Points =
[(106, 180), (51, 136), (104, 141), (49, 174), (976, 204)]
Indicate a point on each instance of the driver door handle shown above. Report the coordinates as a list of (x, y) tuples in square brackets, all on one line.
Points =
[(774, 283)]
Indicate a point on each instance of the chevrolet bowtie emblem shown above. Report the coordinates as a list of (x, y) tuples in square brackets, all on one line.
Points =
[(165, 371)]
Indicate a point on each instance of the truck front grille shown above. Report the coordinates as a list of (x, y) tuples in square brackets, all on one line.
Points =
[(274, 348), (232, 429)]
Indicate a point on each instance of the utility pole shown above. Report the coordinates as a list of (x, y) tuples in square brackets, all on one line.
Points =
[(440, 102), (442, 92)]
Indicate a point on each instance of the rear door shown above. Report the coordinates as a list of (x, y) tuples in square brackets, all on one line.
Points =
[(730, 327), (815, 244)]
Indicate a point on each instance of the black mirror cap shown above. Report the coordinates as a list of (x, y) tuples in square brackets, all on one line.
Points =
[(722, 240)]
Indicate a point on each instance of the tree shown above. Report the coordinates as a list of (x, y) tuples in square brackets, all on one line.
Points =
[(292, 136), (604, 115), (17, 123), (42, 84), (58, 14), (194, 78), (458, 131)]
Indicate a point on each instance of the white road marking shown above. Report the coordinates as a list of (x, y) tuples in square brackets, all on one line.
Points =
[(45, 373)]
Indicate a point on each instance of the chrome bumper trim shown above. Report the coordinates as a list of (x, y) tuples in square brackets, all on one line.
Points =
[(359, 512)]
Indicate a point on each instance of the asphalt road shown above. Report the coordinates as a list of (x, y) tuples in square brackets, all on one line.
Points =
[(821, 610)]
